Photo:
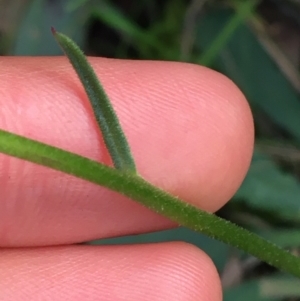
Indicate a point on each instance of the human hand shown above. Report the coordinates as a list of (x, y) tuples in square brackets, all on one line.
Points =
[(191, 133)]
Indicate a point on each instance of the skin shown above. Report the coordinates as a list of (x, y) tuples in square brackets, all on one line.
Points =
[(191, 133)]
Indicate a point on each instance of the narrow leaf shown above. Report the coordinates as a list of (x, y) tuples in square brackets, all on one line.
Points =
[(106, 117)]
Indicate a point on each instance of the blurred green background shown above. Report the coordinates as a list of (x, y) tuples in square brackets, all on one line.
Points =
[(257, 45)]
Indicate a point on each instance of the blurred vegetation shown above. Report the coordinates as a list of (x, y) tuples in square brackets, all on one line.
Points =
[(257, 45)]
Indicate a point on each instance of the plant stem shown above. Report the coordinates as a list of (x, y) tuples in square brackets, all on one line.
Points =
[(244, 9), (150, 196)]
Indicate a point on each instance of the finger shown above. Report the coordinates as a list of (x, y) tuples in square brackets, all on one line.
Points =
[(168, 271), (190, 130)]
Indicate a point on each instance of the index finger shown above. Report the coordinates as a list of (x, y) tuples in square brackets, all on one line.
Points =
[(190, 130)]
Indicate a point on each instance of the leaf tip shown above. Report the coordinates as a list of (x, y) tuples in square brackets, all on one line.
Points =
[(53, 30)]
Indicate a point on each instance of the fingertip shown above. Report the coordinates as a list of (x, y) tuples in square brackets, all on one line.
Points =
[(163, 271), (190, 129)]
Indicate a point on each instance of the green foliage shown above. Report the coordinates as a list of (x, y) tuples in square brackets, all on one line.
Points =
[(104, 113), (153, 30), (273, 288), (33, 36), (268, 188), (246, 62)]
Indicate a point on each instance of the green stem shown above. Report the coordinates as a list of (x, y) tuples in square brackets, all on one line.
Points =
[(113, 18), (244, 9), (150, 196)]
